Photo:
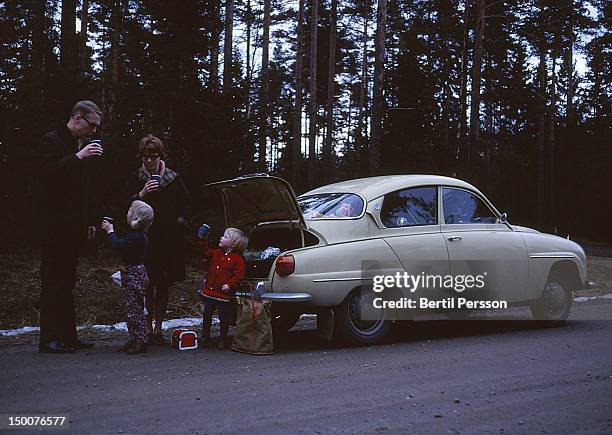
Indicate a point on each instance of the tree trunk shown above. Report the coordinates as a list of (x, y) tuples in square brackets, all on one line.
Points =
[(263, 112), (541, 178), (569, 63), (83, 55), (214, 49), (116, 29), (312, 113), (296, 154), (248, 59), (362, 136), (378, 103), (551, 138), (68, 51), (228, 46), (447, 93), (38, 54), (567, 142), (328, 151), (462, 144), (476, 71), (488, 128)]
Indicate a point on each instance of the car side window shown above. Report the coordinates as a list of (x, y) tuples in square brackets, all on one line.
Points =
[(410, 207), (462, 207)]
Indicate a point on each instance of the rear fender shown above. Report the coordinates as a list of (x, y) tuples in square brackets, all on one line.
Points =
[(329, 273)]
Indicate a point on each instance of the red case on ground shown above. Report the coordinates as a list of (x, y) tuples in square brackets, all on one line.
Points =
[(184, 339)]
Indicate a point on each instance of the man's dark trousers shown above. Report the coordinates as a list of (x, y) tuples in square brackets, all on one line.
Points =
[(58, 277)]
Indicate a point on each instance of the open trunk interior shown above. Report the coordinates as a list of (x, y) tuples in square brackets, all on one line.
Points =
[(266, 242)]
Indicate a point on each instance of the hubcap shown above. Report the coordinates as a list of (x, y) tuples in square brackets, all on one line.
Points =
[(355, 317), (555, 298)]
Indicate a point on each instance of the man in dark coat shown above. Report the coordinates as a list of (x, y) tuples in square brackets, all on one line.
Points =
[(65, 161)]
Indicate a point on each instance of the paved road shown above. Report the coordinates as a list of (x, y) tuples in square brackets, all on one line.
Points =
[(429, 377)]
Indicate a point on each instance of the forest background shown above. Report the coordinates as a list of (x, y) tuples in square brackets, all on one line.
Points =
[(513, 96)]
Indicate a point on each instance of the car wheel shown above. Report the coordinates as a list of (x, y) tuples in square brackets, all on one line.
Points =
[(458, 314), (283, 321), (554, 305), (352, 328)]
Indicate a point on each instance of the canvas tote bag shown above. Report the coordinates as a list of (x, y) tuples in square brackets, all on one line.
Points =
[(253, 327)]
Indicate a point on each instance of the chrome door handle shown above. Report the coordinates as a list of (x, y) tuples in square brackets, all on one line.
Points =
[(453, 238)]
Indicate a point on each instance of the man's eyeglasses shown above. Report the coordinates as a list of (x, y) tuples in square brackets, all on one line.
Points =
[(150, 157), (91, 124)]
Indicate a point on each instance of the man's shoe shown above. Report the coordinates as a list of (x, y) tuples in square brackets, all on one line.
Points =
[(159, 340), (79, 344), (222, 343), (139, 347), (55, 346), (204, 342), (127, 346)]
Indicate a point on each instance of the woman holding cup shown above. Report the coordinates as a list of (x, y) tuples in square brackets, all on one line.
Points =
[(164, 190)]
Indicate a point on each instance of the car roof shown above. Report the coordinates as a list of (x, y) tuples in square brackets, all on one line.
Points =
[(373, 187)]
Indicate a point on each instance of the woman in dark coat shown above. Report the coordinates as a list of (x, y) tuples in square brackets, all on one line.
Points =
[(169, 199)]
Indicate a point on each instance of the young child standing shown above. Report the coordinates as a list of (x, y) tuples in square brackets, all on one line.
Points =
[(225, 270), (134, 278)]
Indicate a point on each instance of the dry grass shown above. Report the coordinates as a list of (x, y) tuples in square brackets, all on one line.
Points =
[(97, 301), (599, 271)]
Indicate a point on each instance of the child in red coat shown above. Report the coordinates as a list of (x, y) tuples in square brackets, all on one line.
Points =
[(225, 271)]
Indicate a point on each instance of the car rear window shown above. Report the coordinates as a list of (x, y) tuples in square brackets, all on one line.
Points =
[(331, 206)]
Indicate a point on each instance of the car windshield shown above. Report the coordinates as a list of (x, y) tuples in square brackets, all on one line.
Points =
[(331, 206)]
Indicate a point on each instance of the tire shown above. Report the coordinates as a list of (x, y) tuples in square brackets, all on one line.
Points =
[(555, 304), (355, 331), (458, 314)]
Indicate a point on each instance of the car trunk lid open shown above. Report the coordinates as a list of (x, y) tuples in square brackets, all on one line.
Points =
[(265, 208)]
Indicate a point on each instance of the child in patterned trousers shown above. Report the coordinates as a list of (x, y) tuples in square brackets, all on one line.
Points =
[(134, 278)]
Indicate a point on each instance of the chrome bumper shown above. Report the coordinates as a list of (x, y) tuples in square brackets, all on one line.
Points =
[(281, 297), (287, 297)]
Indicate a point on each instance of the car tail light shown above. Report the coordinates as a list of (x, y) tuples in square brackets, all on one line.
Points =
[(285, 265)]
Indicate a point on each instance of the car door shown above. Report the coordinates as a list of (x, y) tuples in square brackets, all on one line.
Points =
[(480, 244), (409, 221)]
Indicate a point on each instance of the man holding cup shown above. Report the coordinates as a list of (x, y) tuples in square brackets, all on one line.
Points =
[(66, 159)]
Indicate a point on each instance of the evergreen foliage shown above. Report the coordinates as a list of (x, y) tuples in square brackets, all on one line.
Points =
[(542, 154)]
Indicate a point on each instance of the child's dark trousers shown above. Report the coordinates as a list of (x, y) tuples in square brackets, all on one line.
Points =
[(209, 308)]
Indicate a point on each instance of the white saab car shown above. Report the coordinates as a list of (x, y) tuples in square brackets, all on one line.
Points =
[(307, 254)]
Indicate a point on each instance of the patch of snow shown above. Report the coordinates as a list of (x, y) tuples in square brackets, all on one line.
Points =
[(585, 298), (19, 331), (121, 326), (186, 321), (192, 321)]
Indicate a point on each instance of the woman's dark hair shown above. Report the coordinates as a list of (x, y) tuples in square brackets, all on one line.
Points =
[(151, 145)]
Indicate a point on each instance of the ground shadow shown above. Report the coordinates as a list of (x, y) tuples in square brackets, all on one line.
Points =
[(415, 331)]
